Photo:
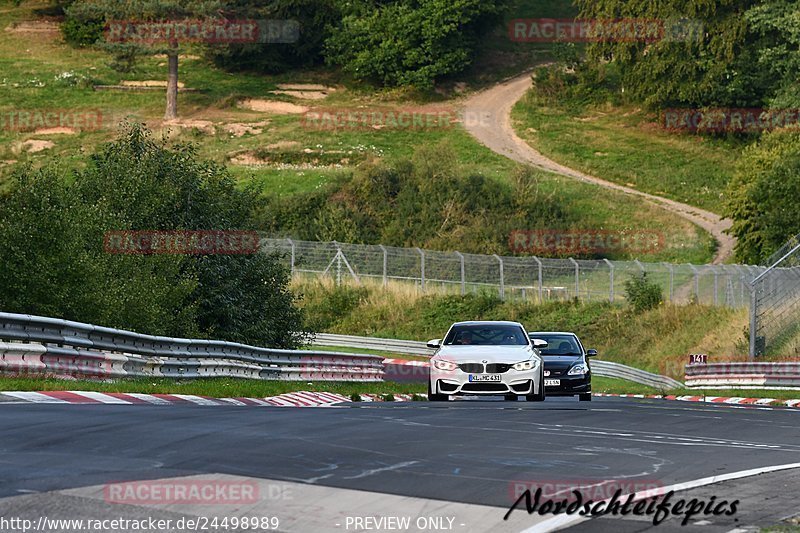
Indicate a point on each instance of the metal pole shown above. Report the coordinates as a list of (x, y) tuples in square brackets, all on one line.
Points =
[(502, 278), (291, 265), (611, 280), (422, 268), (696, 282), (752, 354), (385, 262), (463, 277), (671, 281), (716, 275), (577, 277), (539, 263)]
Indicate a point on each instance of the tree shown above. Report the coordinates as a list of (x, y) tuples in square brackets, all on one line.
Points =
[(410, 42), (127, 37), (777, 23), (54, 263), (762, 196), (716, 66)]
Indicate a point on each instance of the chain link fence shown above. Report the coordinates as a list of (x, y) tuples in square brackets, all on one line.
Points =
[(526, 278), (775, 305)]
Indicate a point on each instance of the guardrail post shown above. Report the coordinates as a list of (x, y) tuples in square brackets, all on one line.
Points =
[(502, 278), (383, 248), (291, 267), (610, 279), (577, 277), (539, 264), (463, 277), (421, 268)]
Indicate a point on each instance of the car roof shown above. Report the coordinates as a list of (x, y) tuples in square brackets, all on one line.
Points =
[(487, 323), (552, 333)]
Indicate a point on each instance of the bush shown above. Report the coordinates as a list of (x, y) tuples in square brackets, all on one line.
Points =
[(427, 201), (762, 196), (641, 293), (405, 42), (79, 32), (331, 303), (51, 240)]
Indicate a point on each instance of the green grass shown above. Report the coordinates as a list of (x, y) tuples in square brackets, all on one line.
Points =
[(213, 387), (626, 145), (658, 340)]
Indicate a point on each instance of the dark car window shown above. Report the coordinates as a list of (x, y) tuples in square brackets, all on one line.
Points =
[(481, 335), (559, 345)]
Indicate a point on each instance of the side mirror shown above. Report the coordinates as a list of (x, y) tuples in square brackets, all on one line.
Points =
[(435, 343), (539, 343), (591, 353)]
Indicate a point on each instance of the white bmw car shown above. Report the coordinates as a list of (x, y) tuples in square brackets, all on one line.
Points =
[(488, 358)]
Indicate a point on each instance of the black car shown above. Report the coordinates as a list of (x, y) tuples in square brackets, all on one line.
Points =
[(566, 364)]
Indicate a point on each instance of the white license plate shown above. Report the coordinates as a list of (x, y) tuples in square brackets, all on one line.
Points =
[(552, 382), (484, 377)]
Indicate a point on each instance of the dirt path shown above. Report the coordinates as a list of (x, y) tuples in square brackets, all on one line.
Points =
[(494, 130)]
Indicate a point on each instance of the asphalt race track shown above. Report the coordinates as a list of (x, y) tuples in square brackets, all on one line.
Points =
[(317, 469)]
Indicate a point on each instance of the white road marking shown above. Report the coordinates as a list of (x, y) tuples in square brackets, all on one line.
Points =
[(34, 397), (100, 397)]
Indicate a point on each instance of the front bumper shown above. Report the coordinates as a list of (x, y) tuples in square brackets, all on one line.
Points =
[(457, 382), (569, 385)]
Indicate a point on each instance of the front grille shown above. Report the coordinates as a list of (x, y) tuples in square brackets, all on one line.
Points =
[(484, 387), (471, 368), (497, 368)]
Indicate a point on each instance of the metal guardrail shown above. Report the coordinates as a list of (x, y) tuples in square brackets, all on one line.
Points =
[(744, 375), (40, 345), (373, 343), (610, 369), (599, 368)]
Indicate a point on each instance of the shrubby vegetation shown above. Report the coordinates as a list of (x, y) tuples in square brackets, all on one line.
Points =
[(642, 293), (764, 196), (52, 233), (427, 201)]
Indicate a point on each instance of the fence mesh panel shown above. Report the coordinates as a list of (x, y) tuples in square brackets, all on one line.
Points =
[(539, 279), (775, 306)]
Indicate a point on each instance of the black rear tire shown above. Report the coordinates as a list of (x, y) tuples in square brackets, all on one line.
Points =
[(537, 397), (436, 397), (585, 397)]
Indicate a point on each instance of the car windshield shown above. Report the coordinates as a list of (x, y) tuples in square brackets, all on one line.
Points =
[(559, 344), (487, 335)]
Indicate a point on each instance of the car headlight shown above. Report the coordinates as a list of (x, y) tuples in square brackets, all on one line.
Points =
[(530, 364), (578, 369), (441, 364)]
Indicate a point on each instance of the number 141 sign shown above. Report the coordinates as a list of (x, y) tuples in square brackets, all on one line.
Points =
[(698, 359)]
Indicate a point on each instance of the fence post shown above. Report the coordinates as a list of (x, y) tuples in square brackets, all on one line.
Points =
[(716, 276), (671, 280), (577, 277), (696, 282), (385, 262), (463, 277), (611, 280), (752, 351), (422, 268), (291, 265), (502, 278), (539, 263)]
